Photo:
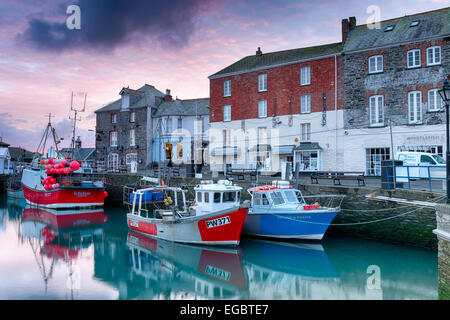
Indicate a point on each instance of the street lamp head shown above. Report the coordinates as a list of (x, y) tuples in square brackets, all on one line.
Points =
[(445, 92)]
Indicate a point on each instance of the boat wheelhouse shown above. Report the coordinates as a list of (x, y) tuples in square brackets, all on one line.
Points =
[(280, 211), (216, 216)]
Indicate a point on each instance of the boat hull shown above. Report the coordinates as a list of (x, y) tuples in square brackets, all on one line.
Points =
[(307, 225), (61, 198), (15, 194), (219, 228)]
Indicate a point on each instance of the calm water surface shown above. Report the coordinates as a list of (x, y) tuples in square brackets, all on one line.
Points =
[(94, 256)]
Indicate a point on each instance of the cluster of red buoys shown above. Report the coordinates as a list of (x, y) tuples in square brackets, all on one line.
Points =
[(57, 166)]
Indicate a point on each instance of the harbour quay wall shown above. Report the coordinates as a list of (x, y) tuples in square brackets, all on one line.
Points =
[(362, 217), (442, 232)]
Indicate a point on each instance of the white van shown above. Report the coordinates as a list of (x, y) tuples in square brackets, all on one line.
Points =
[(434, 166), (411, 158)]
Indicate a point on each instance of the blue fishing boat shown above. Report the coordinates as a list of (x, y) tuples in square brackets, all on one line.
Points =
[(280, 211)]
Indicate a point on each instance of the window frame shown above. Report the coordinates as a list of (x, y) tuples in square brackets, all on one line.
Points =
[(436, 99), (419, 112), (376, 64), (308, 105), (132, 116), (412, 51), (377, 110), (114, 117), (305, 131), (431, 49), (111, 134), (228, 118), (227, 88), (262, 103), (305, 79), (132, 137), (262, 82)]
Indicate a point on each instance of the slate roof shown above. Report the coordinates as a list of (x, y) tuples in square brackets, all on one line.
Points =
[(432, 24), (20, 154), (178, 107), (85, 153), (272, 59), (138, 99)]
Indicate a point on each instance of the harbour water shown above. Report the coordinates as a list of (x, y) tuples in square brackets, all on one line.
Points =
[(94, 256)]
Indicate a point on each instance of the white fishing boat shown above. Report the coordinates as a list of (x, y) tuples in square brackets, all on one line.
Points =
[(215, 217)]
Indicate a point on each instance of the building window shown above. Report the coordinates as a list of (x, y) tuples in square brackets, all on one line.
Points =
[(114, 118), (227, 88), (132, 116), (168, 151), (374, 156), (130, 157), (414, 107), (113, 161), (180, 150), (305, 103), (413, 57), (132, 137), (305, 131), (376, 106), (227, 113), (376, 64), (305, 76), (435, 102), (113, 139), (262, 82), (433, 56), (168, 126), (262, 109), (262, 135), (226, 137), (308, 160), (180, 123)]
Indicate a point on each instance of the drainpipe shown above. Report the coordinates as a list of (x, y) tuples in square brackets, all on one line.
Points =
[(335, 112)]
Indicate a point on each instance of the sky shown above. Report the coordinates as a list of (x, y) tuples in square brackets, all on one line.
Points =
[(171, 44)]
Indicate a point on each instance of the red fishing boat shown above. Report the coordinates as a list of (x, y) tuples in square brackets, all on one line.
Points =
[(61, 183)]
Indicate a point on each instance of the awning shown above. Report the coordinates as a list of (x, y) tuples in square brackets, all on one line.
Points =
[(305, 146), (261, 148), (288, 149), (225, 151)]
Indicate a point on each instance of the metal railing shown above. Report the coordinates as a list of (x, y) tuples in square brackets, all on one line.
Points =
[(421, 176)]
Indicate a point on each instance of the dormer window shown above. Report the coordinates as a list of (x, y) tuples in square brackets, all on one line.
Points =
[(125, 101), (389, 28), (415, 23)]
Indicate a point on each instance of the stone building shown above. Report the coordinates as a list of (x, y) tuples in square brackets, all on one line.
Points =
[(127, 129), (271, 108), (391, 75)]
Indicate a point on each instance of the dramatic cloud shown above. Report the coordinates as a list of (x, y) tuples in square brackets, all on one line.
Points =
[(106, 24)]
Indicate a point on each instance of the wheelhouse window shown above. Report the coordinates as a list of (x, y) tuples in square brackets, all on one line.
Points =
[(305, 76), (413, 58), (277, 197), (227, 88), (229, 196), (415, 107), (207, 197), (199, 197), (217, 197), (290, 196), (256, 199), (262, 82), (376, 64), (433, 56), (376, 106)]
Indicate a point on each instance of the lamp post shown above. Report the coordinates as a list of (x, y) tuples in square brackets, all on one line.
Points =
[(445, 95)]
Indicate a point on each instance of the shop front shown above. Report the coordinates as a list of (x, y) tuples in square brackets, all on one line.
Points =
[(308, 156)]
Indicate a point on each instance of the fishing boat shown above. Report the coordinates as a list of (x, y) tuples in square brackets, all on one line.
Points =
[(280, 211), (215, 217), (61, 183)]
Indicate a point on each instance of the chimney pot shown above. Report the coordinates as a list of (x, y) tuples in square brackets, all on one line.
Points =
[(259, 52)]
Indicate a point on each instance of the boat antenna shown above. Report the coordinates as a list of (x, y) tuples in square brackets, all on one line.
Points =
[(74, 146), (48, 130)]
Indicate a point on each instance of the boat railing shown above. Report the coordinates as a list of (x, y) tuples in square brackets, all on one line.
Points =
[(93, 180), (141, 205), (328, 201)]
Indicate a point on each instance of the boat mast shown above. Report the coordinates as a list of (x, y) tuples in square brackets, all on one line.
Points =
[(48, 130), (75, 119)]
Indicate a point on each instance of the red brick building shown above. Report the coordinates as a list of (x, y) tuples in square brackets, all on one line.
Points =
[(277, 103)]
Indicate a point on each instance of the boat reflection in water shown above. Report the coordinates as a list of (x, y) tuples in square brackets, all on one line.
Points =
[(187, 271), (285, 270), (60, 236)]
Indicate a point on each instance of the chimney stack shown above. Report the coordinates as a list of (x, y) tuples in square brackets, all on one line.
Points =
[(259, 52), (347, 25), (168, 97)]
